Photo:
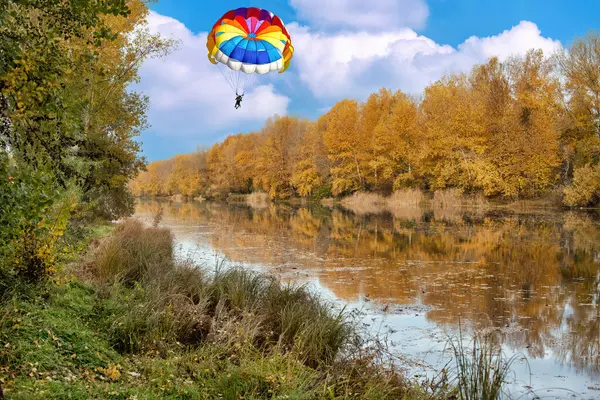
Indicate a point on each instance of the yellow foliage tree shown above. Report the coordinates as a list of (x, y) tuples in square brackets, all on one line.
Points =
[(346, 145), (395, 145), (452, 133), (306, 176), (279, 154), (505, 129), (528, 164), (581, 135)]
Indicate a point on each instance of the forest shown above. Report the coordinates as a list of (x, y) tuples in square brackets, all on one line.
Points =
[(522, 128)]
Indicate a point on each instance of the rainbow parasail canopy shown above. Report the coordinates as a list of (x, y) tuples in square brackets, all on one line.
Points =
[(249, 41)]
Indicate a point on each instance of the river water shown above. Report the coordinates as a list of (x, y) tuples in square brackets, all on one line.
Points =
[(532, 276)]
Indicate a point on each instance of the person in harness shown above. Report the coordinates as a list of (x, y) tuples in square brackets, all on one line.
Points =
[(238, 100)]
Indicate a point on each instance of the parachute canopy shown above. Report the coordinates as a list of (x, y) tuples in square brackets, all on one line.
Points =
[(249, 41)]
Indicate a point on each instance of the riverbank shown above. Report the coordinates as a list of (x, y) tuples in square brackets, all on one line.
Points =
[(129, 321)]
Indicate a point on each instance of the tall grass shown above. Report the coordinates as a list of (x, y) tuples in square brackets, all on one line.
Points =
[(481, 369), (405, 204), (372, 203), (454, 198), (171, 302), (364, 203), (447, 198), (406, 198), (133, 253)]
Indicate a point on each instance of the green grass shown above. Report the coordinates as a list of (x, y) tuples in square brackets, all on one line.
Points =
[(55, 346), (481, 369)]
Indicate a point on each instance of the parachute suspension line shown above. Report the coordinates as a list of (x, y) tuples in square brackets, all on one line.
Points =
[(224, 73), (239, 81), (248, 82)]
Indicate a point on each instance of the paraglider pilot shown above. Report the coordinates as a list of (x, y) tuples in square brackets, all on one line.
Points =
[(238, 100)]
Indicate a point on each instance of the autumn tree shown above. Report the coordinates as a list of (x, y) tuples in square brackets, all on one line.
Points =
[(452, 133), (528, 165), (507, 129), (307, 176), (231, 166), (187, 175), (279, 154), (581, 135), (347, 147), (394, 144), (67, 120)]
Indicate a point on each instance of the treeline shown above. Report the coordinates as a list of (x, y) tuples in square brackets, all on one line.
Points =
[(68, 122), (513, 129)]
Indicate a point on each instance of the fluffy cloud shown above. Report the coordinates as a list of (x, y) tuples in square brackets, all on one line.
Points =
[(378, 15), (189, 95), (354, 64)]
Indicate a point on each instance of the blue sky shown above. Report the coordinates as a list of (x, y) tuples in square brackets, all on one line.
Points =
[(344, 49)]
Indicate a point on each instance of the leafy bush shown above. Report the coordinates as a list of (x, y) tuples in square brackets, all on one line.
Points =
[(34, 212), (585, 189), (322, 192)]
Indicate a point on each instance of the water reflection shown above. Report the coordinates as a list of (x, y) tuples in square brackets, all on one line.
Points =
[(534, 277)]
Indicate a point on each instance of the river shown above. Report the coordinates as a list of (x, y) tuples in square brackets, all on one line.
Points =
[(533, 276)]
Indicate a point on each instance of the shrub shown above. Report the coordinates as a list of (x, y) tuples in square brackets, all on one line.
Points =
[(585, 188), (34, 213), (322, 192)]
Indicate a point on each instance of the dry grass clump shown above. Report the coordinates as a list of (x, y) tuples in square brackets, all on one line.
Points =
[(364, 203), (258, 200), (400, 203), (405, 198), (447, 198), (405, 204), (133, 253), (454, 198), (169, 303)]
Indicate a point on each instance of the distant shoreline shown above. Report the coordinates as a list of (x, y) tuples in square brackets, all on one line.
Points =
[(373, 200)]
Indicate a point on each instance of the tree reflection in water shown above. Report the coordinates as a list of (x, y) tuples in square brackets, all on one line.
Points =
[(534, 276)]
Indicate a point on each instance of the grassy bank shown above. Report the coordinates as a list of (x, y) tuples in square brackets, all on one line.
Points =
[(129, 321)]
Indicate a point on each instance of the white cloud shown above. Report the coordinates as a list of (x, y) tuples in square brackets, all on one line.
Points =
[(189, 95), (378, 14), (354, 64)]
